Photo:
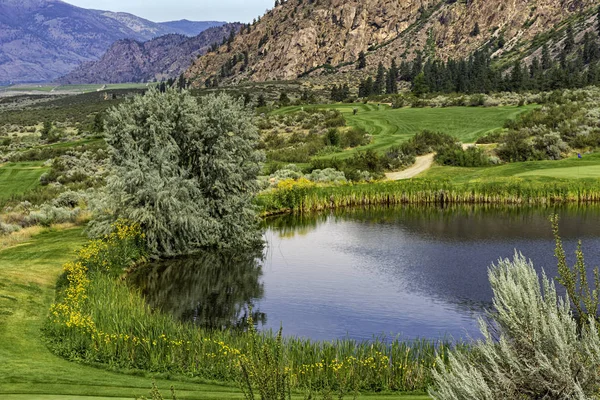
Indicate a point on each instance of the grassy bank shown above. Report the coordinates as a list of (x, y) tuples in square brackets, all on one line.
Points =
[(99, 319), (29, 370)]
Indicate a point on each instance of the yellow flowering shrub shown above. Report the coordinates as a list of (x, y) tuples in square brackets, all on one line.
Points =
[(291, 193)]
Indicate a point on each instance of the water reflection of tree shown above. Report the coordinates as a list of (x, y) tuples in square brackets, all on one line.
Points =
[(213, 290)]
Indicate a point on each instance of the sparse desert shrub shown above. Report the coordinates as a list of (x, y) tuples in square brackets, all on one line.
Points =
[(70, 199), (328, 175), (288, 172), (532, 348), (47, 215), (399, 157), (550, 146), (7, 229)]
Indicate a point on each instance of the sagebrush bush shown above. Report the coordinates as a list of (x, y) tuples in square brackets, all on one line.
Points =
[(7, 229), (532, 347)]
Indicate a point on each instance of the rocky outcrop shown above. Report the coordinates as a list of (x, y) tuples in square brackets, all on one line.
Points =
[(316, 37), (41, 40), (161, 58)]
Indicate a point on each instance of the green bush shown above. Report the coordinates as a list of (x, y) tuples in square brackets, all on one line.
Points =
[(492, 137), (456, 156), (426, 142), (515, 147), (354, 137)]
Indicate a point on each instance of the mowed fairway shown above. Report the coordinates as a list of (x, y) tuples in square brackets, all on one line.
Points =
[(18, 178), (592, 171), (570, 168), (391, 127)]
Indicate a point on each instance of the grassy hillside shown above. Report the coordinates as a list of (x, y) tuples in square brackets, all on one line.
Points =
[(19, 178), (391, 127)]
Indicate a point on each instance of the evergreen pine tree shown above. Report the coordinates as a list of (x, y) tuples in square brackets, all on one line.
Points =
[(392, 78), (261, 102), (516, 77), (362, 60), (365, 88), (379, 80), (569, 43), (420, 86), (590, 48), (546, 59)]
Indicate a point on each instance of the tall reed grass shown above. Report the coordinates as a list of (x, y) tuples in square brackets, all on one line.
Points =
[(99, 319), (303, 198)]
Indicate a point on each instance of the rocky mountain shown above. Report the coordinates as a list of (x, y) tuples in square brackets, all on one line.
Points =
[(41, 40), (318, 37), (128, 60)]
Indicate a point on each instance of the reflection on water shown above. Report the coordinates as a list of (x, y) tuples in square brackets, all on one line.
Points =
[(410, 271), (213, 290)]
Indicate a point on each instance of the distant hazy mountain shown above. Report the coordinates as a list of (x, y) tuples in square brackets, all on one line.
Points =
[(132, 61), (190, 28), (41, 40)]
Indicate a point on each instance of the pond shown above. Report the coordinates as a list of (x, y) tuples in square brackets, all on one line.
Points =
[(359, 273)]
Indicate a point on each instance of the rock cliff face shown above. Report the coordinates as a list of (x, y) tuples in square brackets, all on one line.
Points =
[(303, 37), (41, 40), (132, 61)]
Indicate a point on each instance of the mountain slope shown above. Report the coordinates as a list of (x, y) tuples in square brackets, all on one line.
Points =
[(41, 40), (300, 37), (131, 61)]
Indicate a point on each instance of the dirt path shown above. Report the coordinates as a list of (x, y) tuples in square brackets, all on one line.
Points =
[(422, 164)]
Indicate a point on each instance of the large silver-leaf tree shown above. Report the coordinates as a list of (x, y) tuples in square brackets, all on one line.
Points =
[(184, 169)]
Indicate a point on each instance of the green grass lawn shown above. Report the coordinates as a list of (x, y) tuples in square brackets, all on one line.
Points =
[(18, 178), (570, 168), (29, 371), (391, 127)]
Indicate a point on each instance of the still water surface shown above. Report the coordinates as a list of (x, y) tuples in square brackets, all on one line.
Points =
[(414, 272)]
